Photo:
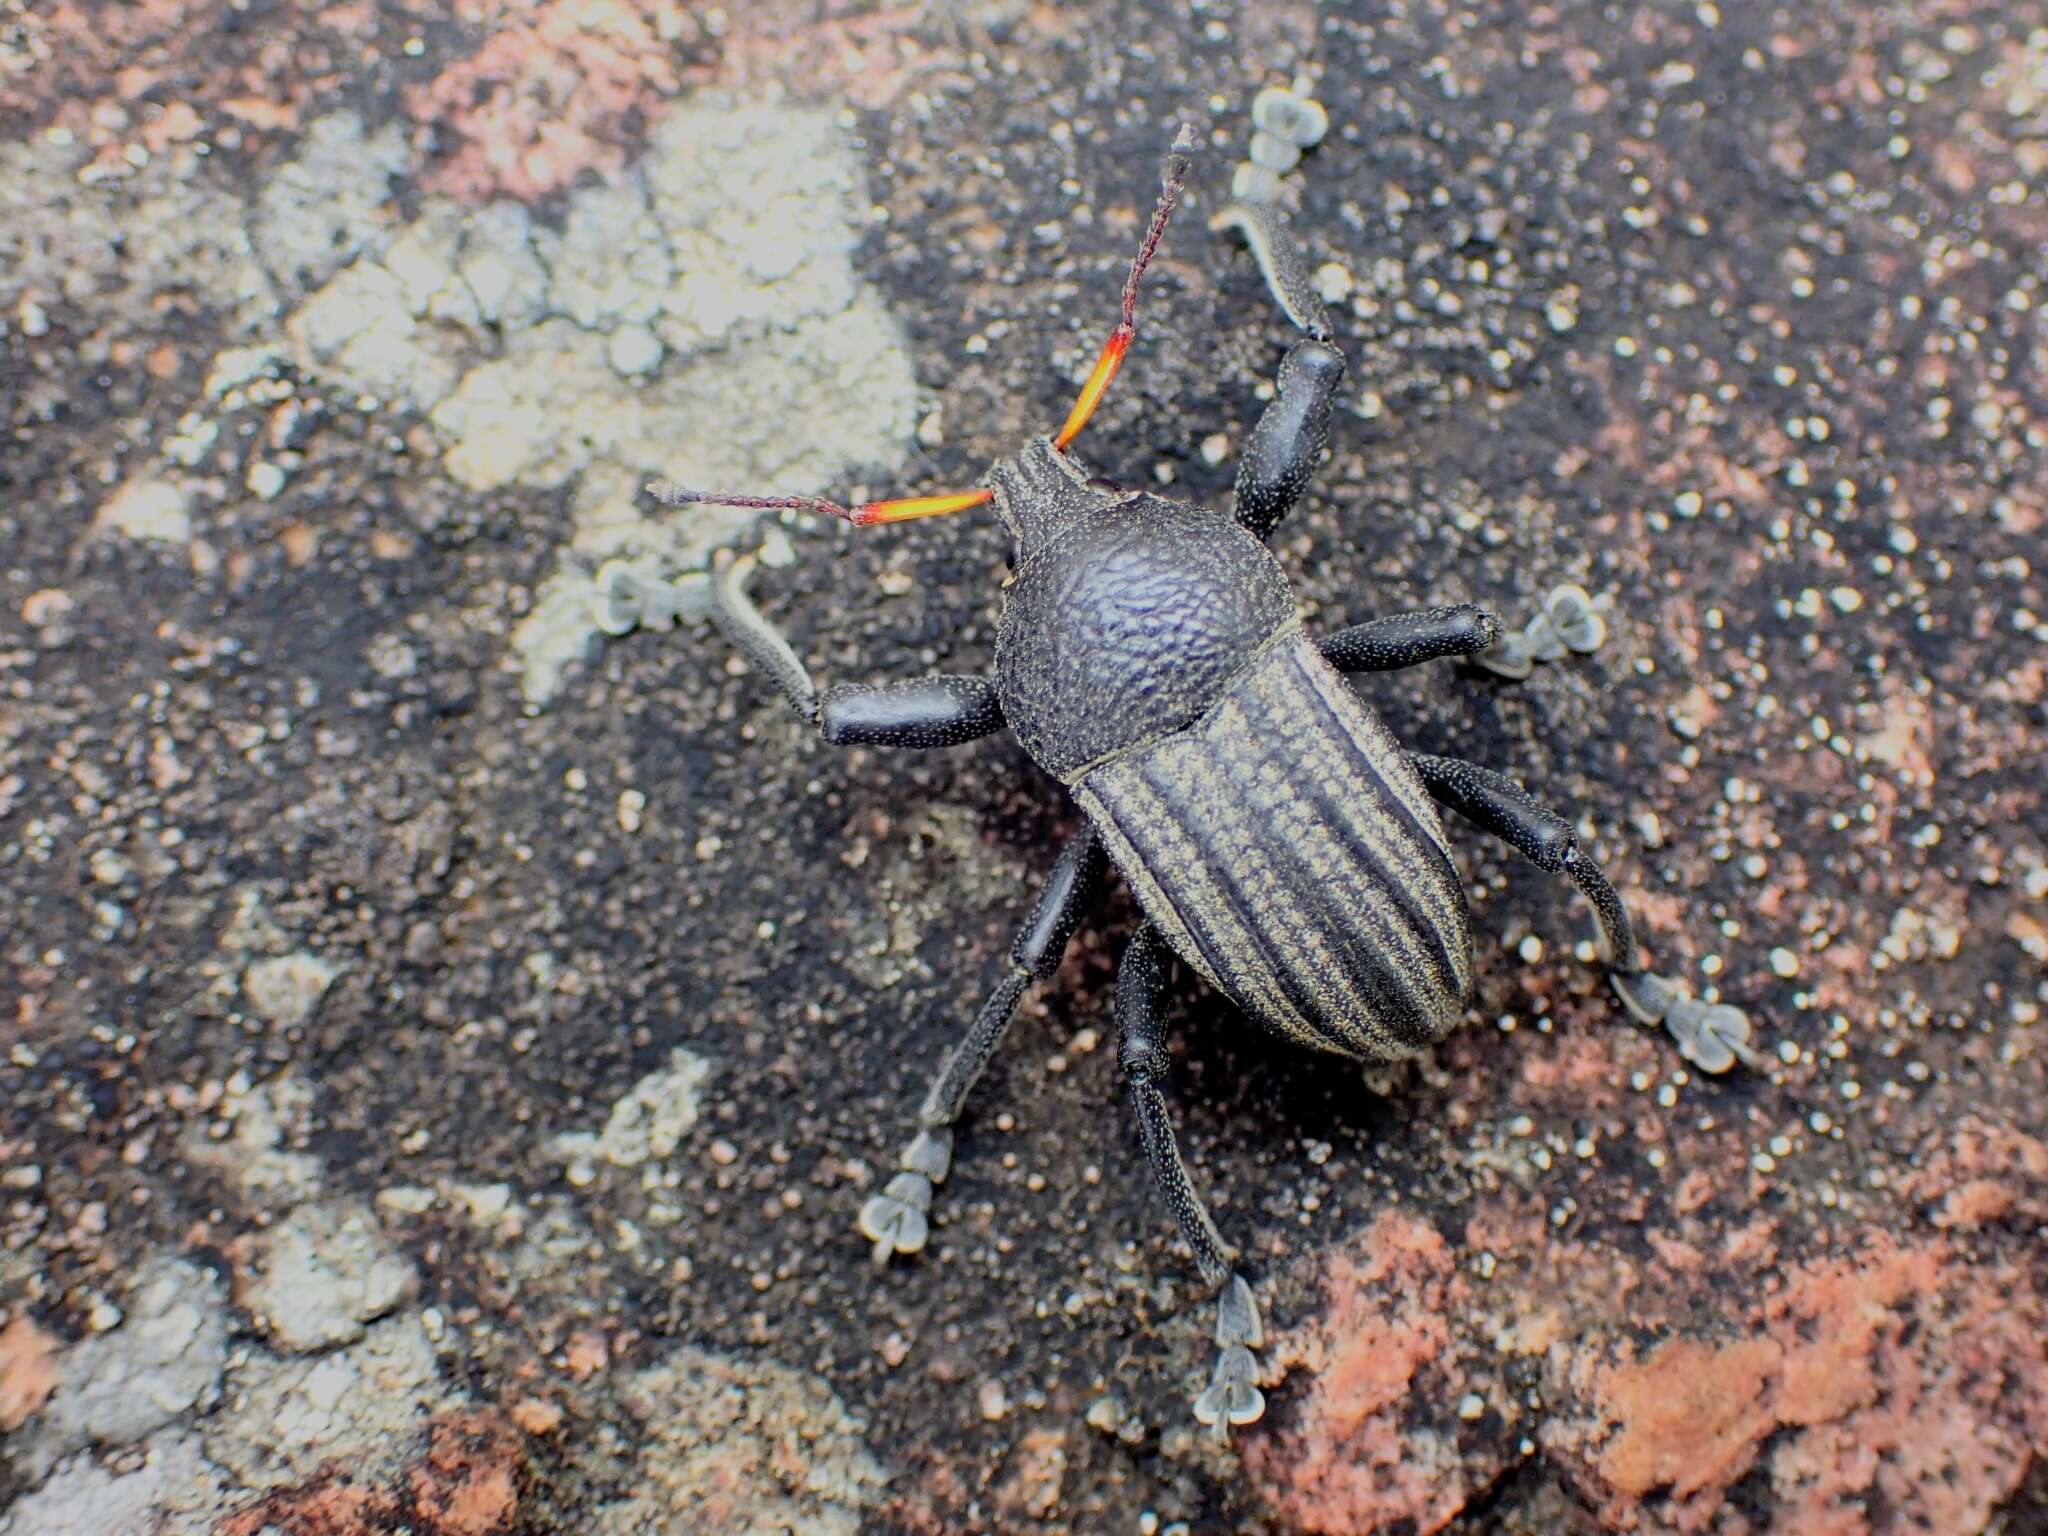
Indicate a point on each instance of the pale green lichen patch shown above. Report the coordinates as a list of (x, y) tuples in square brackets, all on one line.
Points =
[(699, 318)]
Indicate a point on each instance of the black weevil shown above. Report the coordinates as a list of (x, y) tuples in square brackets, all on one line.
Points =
[(1277, 838)]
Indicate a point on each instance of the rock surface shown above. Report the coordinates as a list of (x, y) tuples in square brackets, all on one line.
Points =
[(355, 864)]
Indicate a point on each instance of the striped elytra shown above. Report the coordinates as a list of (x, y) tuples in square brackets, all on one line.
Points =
[(1287, 851)]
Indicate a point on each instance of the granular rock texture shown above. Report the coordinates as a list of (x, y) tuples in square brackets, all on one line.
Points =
[(494, 1007), (748, 1447)]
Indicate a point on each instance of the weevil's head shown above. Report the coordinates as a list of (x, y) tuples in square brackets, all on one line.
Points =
[(1045, 488)]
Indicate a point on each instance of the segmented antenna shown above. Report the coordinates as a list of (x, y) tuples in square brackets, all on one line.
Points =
[(1173, 176)]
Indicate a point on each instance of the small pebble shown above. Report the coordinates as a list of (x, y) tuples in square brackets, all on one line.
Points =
[(1784, 962), (634, 350), (994, 1403), (1300, 120), (1334, 282), (46, 607), (265, 479)]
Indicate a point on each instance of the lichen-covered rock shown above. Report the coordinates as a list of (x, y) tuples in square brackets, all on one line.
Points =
[(739, 1445), (162, 1362), (323, 1274), (366, 1405), (168, 1489), (644, 1126)]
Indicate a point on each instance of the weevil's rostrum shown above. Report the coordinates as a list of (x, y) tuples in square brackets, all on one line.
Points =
[(1276, 837)]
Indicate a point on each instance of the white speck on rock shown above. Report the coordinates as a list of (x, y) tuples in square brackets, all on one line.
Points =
[(266, 480), (634, 350), (238, 366), (283, 990)]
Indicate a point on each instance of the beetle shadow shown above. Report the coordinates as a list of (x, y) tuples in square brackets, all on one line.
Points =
[(1258, 1082)]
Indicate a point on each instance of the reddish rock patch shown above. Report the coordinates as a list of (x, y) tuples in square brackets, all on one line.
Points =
[(148, 73), (1985, 1173), (555, 92), (467, 1484), (1375, 1439), (27, 1375), (1691, 1417), (1893, 1386), (1907, 1388)]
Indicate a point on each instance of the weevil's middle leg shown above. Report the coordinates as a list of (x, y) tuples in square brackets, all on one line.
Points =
[(1713, 1037), (897, 1220), (1233, 1395), (1568, 623), (1408, 639)]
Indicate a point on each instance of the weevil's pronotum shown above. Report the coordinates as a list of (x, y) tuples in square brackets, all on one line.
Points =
[(1276, 837)]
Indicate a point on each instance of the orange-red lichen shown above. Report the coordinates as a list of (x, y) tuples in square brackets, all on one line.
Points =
[(466, 1484), (1889, 1386), (556, 91), (1901, 1388), (27, 1373), (1372, 1441)]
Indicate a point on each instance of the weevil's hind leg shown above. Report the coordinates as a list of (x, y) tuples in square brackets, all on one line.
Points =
[(1232, 1396), (1569, 623), (897, 1220), (1292, 432), (941, 711), (1713, 1037)]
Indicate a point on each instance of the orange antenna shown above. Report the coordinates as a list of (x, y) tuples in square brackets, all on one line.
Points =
[(1173, 176), (861, 514)]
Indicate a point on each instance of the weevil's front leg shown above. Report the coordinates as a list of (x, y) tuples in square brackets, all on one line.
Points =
[(1292, 432), (1233, 1395), (897, 1220), (939, 711), (1713, 1037)]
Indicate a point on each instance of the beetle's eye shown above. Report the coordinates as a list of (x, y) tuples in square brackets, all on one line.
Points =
[(1104, 484)]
